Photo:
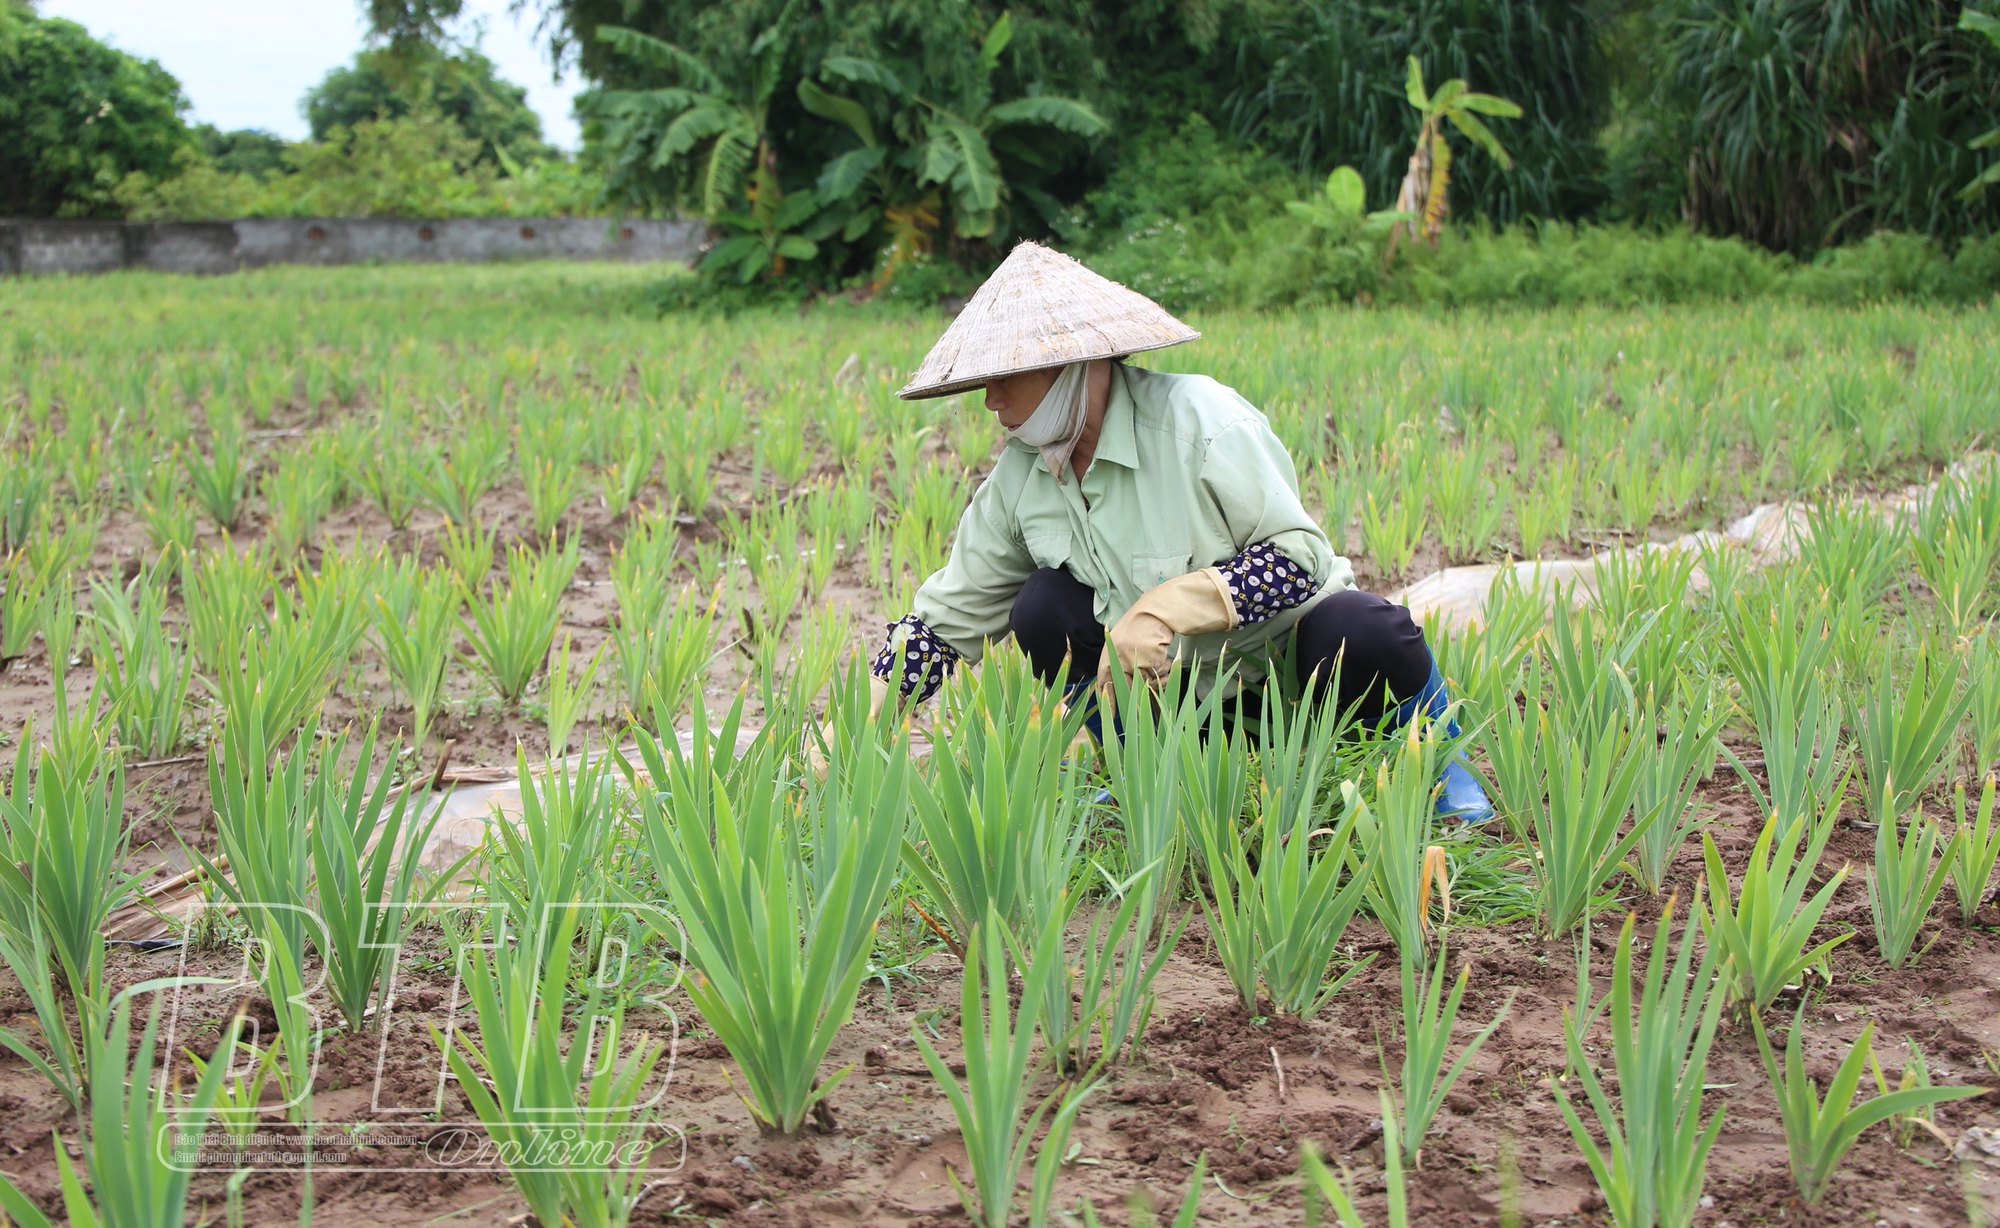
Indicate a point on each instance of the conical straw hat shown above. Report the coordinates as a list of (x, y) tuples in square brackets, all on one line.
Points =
[(1041, 309)]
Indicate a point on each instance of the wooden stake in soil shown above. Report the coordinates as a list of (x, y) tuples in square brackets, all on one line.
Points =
[(444, 761)]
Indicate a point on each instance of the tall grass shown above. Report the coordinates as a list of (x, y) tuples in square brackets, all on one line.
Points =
[(570, 1117), (221, 480), (1912, 860), (138, 1146), (25, 587), (1905, 728), (267, 668), (62, 828), (1764, 927), (513, 627), (365, 844), (662, 655), (452, 481), (1144, 768), (264, 868), (1779, 650), (1394, 842), (1279, 900), (1820, 1131), (567, 699), (1567, 789), (563, 849), (779, 937), (63, 841), (998, 818), (1428, 1016), (1666, 786), (144, 675), (1978, 849), (996, 1094), (415, 624), (1654, 1157)]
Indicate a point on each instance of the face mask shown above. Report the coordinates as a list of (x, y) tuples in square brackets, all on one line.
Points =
[(1057, 422)]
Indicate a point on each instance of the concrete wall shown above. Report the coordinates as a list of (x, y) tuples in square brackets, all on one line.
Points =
[(67, 247), (181, 247), (221, 247)]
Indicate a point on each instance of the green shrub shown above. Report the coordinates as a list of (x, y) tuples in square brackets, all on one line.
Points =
[(1191, 220), (1886, 266), (720, 296), (79, 114), (1800, 125), (421, 164), (1187, 171), (1321, 83), (1550, 263), (1269, 260)]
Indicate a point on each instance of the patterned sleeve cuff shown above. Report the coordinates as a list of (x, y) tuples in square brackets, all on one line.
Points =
[(914, 658), (1263, 580)]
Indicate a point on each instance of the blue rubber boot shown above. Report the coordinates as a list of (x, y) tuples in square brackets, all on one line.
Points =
[(1460, 795), (1085, 693)]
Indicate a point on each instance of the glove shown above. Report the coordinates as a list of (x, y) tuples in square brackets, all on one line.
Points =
[(815, 759), (1193, 604)]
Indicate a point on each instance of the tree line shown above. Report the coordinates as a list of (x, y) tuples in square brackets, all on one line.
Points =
[(851, 140)]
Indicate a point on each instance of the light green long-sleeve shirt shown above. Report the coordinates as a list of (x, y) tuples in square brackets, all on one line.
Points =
[(1186, 475)]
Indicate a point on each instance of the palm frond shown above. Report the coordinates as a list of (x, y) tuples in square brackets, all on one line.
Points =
[(652, 52), (865, 72), (940, 157), (818, 101), (996, 41), (690, 129), (846, 172), (723, 173), (977, 179), (1062, 114), (1481, 135)]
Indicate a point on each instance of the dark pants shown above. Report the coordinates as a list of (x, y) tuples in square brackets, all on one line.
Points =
[(1381, 651)]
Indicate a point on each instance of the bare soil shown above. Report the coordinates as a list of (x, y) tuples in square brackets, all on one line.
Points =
[(1248, 1091)]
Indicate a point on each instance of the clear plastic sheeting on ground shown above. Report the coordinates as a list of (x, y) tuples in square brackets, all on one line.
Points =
[(1455, 598), (467, 801)]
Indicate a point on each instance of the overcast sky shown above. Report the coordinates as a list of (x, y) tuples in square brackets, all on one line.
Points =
[(247, 63)]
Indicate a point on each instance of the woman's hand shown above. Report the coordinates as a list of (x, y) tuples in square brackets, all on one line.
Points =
[(1193, 604)]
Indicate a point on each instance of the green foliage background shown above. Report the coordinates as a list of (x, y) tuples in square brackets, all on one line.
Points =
[(465, 86), (1793, 125), (1321, 85), (1801, 125), (901, 145), (76, 116), (417, 165)]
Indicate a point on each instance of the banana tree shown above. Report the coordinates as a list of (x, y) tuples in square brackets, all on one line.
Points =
[(922, 162), (1422, 195), (761, 239), (1352, 233), (709, 133), (1341, 208)]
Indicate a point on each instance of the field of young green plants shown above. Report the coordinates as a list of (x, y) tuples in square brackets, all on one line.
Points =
[(282, 549)]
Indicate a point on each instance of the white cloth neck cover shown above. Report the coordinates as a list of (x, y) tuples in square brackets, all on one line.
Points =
[(1058, 421)]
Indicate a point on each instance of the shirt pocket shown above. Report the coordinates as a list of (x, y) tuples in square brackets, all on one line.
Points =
[(1048, 547), (1152, 569)]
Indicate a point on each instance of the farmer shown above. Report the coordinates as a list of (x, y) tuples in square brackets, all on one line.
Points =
[(1159, 506)]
